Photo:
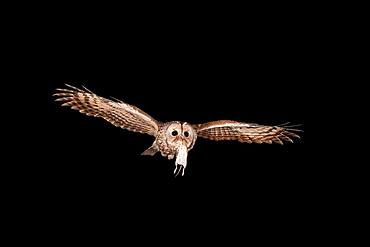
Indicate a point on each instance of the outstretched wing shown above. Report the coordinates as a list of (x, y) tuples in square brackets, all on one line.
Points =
[(116, 112), (245, 132)]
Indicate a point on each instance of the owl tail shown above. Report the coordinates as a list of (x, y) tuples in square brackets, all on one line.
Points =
[(181, 160), (150, 151)]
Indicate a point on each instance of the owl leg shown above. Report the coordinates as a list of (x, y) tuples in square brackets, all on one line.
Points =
[(150, 151)]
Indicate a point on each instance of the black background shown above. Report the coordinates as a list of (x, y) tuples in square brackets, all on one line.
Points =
[(83, 169)]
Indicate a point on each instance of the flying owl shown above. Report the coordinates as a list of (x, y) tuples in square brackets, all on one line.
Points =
[(175, 138)]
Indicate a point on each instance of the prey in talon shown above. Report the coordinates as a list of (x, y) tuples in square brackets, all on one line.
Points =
[(174, 138)]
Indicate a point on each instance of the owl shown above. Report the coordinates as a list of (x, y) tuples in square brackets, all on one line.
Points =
[(172, 139)]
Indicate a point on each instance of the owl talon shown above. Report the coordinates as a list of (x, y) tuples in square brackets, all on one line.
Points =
[(178, 170)]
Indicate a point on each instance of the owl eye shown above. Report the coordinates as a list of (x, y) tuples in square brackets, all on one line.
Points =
[(186, 134), (174, 133)]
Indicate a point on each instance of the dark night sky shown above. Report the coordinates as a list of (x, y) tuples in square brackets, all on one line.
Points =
[(90, 154), (254, 74)]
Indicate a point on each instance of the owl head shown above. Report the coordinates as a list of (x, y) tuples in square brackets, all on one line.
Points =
[(178, 133)]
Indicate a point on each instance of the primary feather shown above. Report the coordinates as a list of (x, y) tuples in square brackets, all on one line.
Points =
[(118, 113), (244, 132)]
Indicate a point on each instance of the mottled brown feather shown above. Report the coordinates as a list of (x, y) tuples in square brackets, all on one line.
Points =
[(118, 113), (244, 132)]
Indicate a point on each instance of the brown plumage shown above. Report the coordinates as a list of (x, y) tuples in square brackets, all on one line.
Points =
[(118, 113), (244, 132), (171, 138)]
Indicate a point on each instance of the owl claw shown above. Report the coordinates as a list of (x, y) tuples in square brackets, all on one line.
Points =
[(178, 170)]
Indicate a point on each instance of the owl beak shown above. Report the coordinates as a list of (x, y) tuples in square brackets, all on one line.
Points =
[(179, 139)]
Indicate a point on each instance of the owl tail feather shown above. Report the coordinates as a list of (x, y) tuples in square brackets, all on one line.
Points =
[(150, 151)]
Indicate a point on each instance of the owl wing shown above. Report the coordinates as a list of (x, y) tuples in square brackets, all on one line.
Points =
[(245, 132), (116, 112)]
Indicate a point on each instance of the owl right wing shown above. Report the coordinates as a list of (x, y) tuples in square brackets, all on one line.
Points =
[(245, 132), (117, 112)]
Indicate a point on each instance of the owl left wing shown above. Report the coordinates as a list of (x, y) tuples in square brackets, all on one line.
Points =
[(116, 112), (245, 132)]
